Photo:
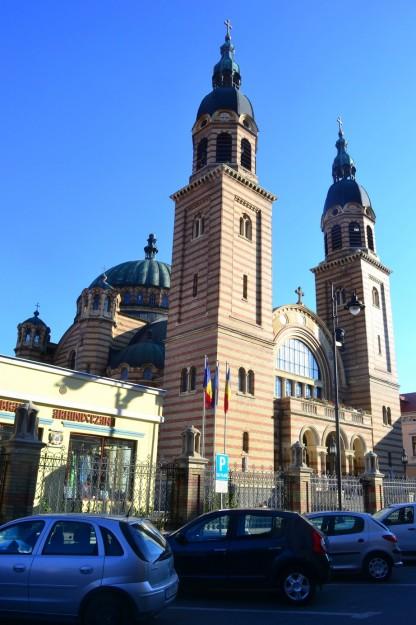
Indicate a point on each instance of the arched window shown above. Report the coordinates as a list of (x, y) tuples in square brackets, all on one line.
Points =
[(201, 153), (224, 148), (278, 387), (71, 360), (298, 389), (384, 415), (245, 442), (355, 234), (326, 244), (195, 285), (184, 380), (165, 301), (289, 388), (370, 238), (127, 298), (242, 380), (388, 416), (246, 154), (199, 226), (336, 237), (124, 374), (36, 339), (147, 373), (245, 286), (192, 378), (28, 336), (152, 299), (250, 382), (376, 297), (295, 357), (140, 299), (107, 305), (245, 227), (96, 302)]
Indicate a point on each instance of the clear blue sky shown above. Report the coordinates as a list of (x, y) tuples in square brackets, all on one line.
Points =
[(97, 103)]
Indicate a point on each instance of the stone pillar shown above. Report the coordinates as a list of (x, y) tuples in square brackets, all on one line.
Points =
[(189, 478), (298, 478), (372, 481), (321, 465), (349, 461), (19, 464)]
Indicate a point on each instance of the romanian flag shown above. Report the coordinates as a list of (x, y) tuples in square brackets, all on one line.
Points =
[(214, 400), (227, 390), (207, 385)]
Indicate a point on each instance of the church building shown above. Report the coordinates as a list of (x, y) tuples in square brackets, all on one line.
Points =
[(146, 322)]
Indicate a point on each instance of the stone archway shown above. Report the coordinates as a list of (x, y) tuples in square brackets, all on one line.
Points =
[(310, 439), (358, 446), (329, 443)]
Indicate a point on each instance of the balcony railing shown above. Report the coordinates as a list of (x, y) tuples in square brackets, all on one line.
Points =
[(324, 410)]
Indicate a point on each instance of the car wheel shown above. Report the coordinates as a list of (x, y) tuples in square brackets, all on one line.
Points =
[(377, 567), (297, 586), (106, 609)]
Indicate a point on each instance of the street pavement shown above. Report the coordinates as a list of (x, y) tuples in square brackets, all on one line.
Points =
[(345, 601)]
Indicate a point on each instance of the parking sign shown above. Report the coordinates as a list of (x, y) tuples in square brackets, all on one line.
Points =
[(221, 473)]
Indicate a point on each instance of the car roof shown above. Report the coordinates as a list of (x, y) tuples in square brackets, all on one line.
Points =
[(330, 512), (79, 516)]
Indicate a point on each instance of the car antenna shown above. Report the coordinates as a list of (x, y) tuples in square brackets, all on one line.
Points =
[(129, 511)]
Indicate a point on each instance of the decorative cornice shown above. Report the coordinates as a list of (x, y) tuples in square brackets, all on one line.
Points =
[(246, 204), (215, 173), (345, 260)]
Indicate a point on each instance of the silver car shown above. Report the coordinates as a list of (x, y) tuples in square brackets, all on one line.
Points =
[(357, 542), (99, 569), (401, 519)]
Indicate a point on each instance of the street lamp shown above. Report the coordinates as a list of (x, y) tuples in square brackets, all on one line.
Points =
[(405, 460), (338, 334)]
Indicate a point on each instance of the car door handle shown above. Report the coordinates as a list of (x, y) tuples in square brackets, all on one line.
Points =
[(360, 540), (220, 550), (19, 568), (86, 569), (275, 549)]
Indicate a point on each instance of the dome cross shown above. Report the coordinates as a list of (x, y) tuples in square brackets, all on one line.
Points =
[(227, 24)]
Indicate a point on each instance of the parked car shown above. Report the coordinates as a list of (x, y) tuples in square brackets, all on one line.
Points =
[(401, 519), (357, 542), (246, 547), (97, 568)]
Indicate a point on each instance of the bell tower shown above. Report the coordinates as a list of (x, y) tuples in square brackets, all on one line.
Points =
[(352, 264), (221, 295)]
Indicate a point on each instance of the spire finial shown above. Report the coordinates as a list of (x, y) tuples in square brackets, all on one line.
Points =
[(229, 27), (343, 167), (36, 313), (340, 125), (150, 249)]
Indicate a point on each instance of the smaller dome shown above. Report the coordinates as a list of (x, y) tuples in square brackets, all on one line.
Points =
[(35, 320), (225, 98), (344, 191), (140, 354)]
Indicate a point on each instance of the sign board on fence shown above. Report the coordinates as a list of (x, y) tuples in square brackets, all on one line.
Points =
[(221, 473)]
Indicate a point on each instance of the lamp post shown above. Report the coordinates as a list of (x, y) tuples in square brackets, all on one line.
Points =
[(355, 307), (405, 460)]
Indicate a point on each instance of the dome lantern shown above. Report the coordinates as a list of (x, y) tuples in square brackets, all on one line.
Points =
[(343, 167)]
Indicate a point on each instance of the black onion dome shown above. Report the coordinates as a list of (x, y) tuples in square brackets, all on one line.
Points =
[(35, 320), (148, 272), (346, 191)]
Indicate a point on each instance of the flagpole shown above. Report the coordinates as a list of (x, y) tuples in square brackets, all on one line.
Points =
[(225, 412), (203, 414), (215, 389)]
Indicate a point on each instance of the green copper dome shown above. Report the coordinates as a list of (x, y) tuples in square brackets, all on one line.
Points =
[(148, 272)]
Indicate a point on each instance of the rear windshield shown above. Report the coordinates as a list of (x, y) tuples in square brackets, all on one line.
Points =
[(382, 512), (145, 540)]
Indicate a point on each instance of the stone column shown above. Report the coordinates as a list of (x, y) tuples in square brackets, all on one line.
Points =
[(19, 464), (372, 481), (321, 464), (298, 478), (189, 478)]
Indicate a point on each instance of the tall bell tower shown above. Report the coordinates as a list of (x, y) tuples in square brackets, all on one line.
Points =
[(352, 263), (221, 286)]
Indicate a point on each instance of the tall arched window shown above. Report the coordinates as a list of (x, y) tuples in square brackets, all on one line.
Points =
[(224, 148), (384, 415), (198, 226), (28, 336), (242, 380), (96, 302), (336, 237), (246, 154), (250, 382), (36, 339), (195, 285), (375, 297), (370, 238), (107, 305), (278, 387), (245, 442), (355, 234), (71, 360), (388, 416), (245, 227), (201, 153), (192, 378), (184, 380)]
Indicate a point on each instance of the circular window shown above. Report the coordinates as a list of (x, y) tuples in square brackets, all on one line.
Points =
[(335, 211), (203, 123), (246, 123)]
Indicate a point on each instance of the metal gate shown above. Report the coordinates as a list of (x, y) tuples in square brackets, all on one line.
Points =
[(399, 491), (324, 493)]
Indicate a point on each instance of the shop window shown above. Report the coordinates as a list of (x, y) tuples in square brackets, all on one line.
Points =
[(355, 234), (250, 382), (242, 381), (245, 442), (245, 286), (370, 238), (246, 154), (202, 153), (336, 237), (224, 148), (375, 297)]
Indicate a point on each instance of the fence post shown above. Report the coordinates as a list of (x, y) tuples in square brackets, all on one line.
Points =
[(20, 463), (189, 477), (372, 481), (298, 481)]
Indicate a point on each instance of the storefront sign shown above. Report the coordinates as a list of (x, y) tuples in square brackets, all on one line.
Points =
[(9, 406), (83, 417)]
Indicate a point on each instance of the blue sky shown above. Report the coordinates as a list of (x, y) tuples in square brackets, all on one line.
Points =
[(97, 103)]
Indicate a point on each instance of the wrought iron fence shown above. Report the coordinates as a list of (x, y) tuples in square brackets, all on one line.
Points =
[(399, 490), (324, 493)]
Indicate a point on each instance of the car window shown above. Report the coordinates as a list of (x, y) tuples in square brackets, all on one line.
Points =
[(71, 538), (215, 528), (20, 538), (346, 524), (320, 522), (112, 546), (146, 540), (400, 516), (261, 525)]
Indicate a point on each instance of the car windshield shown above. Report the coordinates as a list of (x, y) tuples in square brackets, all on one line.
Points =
[(382, 512), (146, 540)]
